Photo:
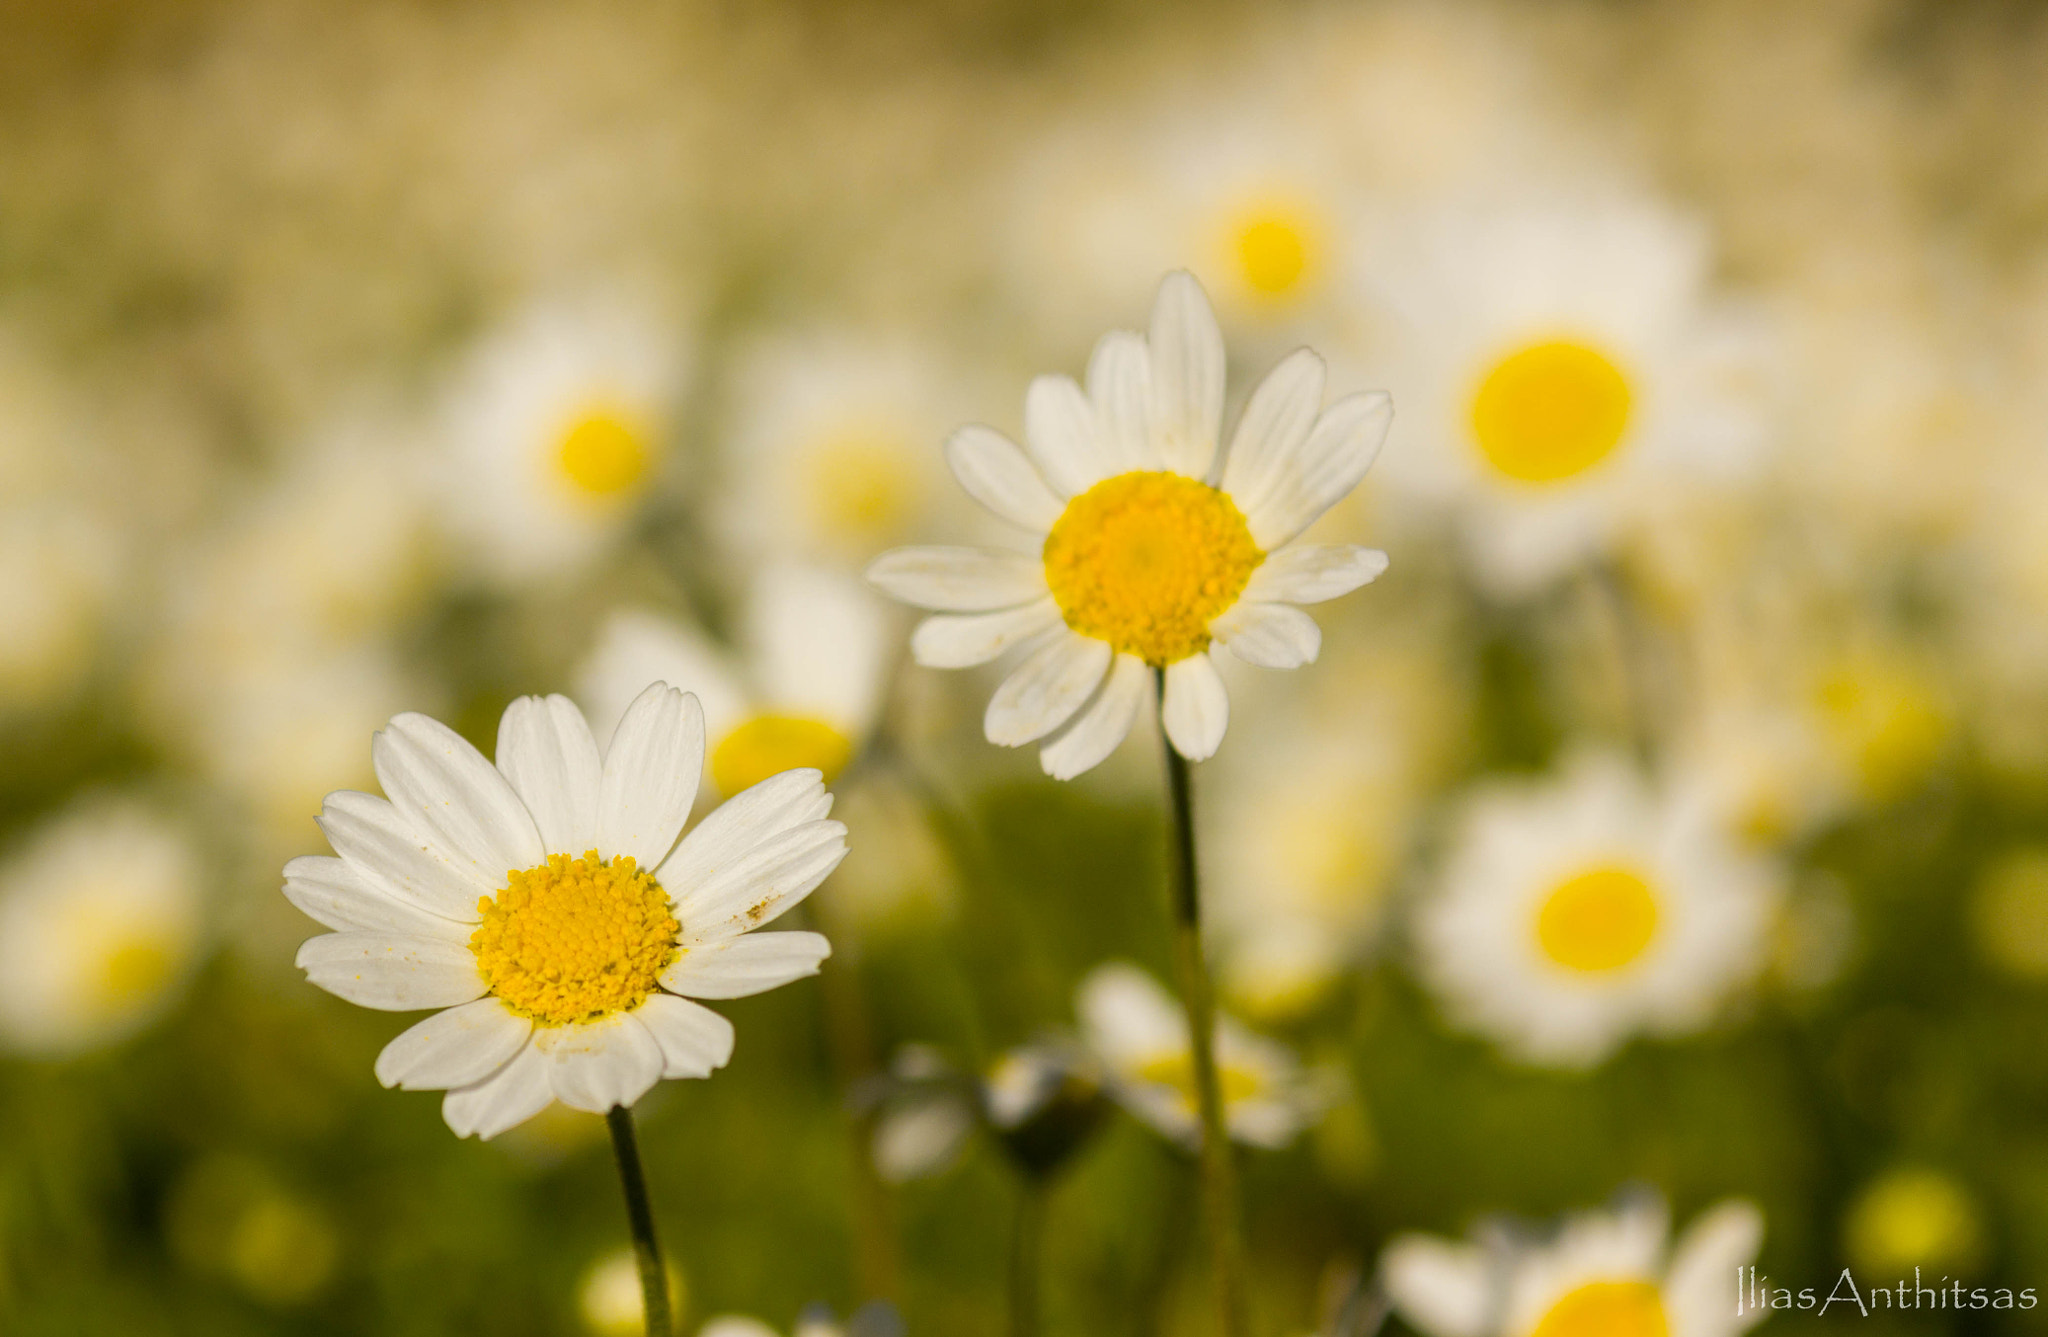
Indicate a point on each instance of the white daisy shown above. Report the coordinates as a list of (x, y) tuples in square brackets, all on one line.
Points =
[(1157, 543), (557, 431), (804, 691), (100, 923), (547, 904), (1603, 1274), (1575, 911), (1567, 374), (1140, 1034)]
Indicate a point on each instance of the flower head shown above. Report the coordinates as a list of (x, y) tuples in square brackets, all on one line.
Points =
[(547, 904), (1157, 544)]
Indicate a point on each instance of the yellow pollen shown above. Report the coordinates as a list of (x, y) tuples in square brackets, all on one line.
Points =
[(1145, 561), (1551, 411), (1598, 920), (862, 486), (1606, 1309), (1273, 251), (574, 939), (1178, 1072), (604, 454), (771, 744)]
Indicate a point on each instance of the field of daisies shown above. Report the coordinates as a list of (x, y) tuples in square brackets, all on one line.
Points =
[(898, 668)]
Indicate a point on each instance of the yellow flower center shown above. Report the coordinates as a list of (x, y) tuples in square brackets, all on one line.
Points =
[(1597, 920), (1145, 561), (1178, 1072), (1606, 1309), (574, 939), (1276, 248), (862, 487), (1888, 720), (771, 744), (604, 454), (134, 971), (1551, 411)]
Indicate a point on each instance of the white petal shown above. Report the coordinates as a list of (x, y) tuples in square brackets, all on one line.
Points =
[(1059, 428), (997, 474), (1094, 735), (1275, 425), (456, 1048), (1311, 573), (1046, 690), (1187, 376), (1439, 1288), (651, 772), (1330, 463), (1196, 708), (507, 1098), (1696, 1287), (333, 892), (1270, 635), (819, 642), (743, 966), (448, 793), (391, 972), (743, 823), (958, 580), (957, 640), (547, 753), (762, 883), (1120, 388), (595, 1065), (374, 839), (694, 1040)]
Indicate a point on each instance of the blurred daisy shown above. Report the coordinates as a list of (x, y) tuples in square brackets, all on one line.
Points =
[(559, 971), (1157, 543), (1578, 910), (872, 1320), (59, 569), (1041, 1102), (100, 924), (1140, 1035), (1603, 1273), (611, 1301), (804, 691), (558, 430), (1565, 374)]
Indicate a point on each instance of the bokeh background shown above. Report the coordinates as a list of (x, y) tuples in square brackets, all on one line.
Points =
[(289, 291)]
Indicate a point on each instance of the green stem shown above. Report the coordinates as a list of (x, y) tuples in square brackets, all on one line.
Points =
[(1026, 1240), (1219, 1180), (653, 1275)]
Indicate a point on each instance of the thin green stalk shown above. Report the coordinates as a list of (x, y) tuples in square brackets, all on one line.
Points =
[(1027, 1238), (1219, 1178), (653, 1275)]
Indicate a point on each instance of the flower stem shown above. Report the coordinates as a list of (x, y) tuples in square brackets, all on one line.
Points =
[(1027, 1236), (653, 1274), (1219, 1180)]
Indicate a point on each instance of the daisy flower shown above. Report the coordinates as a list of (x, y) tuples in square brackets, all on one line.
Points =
[(803, 691), (1603, 1274), (100, 923), (557, 431), (1576, 911), (547, 904), (1140, 1035), (1156, 543)]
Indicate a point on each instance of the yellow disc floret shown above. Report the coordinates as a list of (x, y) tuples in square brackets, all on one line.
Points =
[(1550, 411), (1598, 920), (603, 454), (1607, 1309), (1145, 561), (1177, 1070), (574, 939), (771, 744)]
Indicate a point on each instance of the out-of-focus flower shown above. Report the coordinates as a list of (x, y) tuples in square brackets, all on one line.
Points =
[(876, 1319), (232, 1216), (1910, 1217), (803, 692), (2010, 912), (1564, 376), (558, 431), (1601, 1272), (58, 566), (559, 971), (1157, 544), (101, 921), (610, 1300), (1575, 911), (1141, 1037), (1041, 1102)]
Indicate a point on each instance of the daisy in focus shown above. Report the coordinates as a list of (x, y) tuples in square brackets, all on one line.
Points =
[(1577, 911), (547, 904), (1602, 1274), (1140, 1035), (1158, 544)]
